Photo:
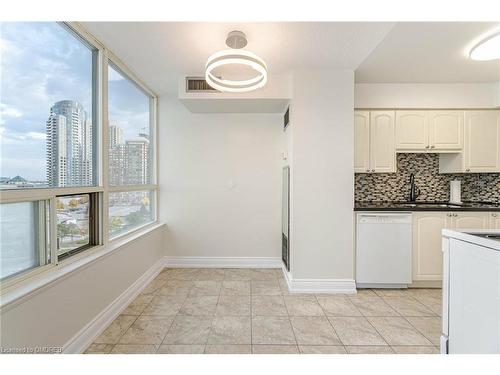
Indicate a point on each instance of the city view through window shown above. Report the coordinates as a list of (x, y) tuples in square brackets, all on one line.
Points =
[(48, 134)]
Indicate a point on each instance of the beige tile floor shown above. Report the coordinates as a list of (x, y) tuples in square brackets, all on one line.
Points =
[(251, 311)]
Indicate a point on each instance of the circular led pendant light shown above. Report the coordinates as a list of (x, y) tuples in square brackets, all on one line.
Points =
[(235, 56), (487, 49)]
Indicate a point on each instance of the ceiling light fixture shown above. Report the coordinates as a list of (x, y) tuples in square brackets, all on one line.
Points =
[(236, 56), (487, 49)]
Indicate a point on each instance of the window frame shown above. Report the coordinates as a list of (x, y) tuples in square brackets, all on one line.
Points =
[(153, 129), (101, 189)]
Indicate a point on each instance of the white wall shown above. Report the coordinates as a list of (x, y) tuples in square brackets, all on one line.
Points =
[(321, 112), (389, 95), (54, 315), (220, 181)]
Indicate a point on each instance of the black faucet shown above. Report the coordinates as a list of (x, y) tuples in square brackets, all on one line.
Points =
[(414, 190)]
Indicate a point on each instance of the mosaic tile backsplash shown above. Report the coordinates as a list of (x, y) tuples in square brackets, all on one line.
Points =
[(433, 185)]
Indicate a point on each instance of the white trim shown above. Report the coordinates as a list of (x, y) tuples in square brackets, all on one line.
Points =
[(87, 335), (345, 286), (222, 262)]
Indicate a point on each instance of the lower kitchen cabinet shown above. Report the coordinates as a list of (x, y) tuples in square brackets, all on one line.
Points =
[(427, 227), (470, 220), (495, 220), (427, 259)]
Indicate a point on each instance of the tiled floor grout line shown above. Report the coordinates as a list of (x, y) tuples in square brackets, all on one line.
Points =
[(175, 316), (290, 322), (378, 332), (419, 331), (326, 316), (251, 319)]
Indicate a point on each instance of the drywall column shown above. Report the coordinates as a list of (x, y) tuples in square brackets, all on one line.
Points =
[(322, 178)]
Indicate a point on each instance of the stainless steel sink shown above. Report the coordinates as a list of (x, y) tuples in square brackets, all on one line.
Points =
[(430, 204)]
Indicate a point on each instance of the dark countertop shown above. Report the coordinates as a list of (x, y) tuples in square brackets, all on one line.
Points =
[(425, 206)]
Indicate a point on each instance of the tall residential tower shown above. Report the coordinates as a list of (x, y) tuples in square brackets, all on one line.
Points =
[(69, 145)]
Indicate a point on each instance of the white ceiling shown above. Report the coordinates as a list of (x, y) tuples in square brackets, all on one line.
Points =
[(159, 52), (429, 53)]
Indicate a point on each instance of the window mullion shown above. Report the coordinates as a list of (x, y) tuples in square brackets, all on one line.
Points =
[(53, 231), (104, 212)]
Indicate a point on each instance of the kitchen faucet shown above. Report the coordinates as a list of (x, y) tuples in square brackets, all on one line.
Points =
[(414, 190)]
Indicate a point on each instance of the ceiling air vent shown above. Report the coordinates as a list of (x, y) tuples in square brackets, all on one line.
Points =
[(197, 84)]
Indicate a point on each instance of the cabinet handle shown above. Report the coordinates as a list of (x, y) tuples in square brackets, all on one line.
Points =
[(433, 146), (455, 215), (373, 170), (368, 170), (449, 215), (494, 215), (427, 146), (467, 170)]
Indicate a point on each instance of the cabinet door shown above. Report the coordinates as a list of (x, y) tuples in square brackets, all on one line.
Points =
[(495, 221), (382, 149), (471, 220), (427, 257), (482, 145), (412, 130), (446, 130), (361, 141)]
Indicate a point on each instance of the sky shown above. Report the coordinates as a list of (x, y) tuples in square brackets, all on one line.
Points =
[(42, 63)]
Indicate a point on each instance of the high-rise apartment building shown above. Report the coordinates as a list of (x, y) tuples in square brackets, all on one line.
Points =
[(137, 161), (128, 159), (115, 135), (69, 145)]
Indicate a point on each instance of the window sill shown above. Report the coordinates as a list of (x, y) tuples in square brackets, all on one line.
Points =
[(16, 293)]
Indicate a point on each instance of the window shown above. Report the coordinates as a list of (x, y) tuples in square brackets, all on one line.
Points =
[(130, 150), (130, 145), (47, 107), (129, 210), (76, 230), (23, 237), (57, 199)]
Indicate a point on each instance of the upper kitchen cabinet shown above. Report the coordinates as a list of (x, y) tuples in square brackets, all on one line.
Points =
[(361, 141), (382, 150), (374, 150), (412, 131), (481, 153), (429, 131), (446, 130), (482, 148)]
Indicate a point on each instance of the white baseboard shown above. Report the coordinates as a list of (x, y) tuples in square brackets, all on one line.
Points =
[(345, 286), (93, 329), (223, 262)]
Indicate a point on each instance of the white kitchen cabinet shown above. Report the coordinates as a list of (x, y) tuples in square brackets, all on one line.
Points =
[(382, 150), (470, 220), (427, 227), (446, 130), (429, 131), (482, 147), (427, 259), (481, 151), (494, 220), (412, 131), (361, 141), (374, 150)]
